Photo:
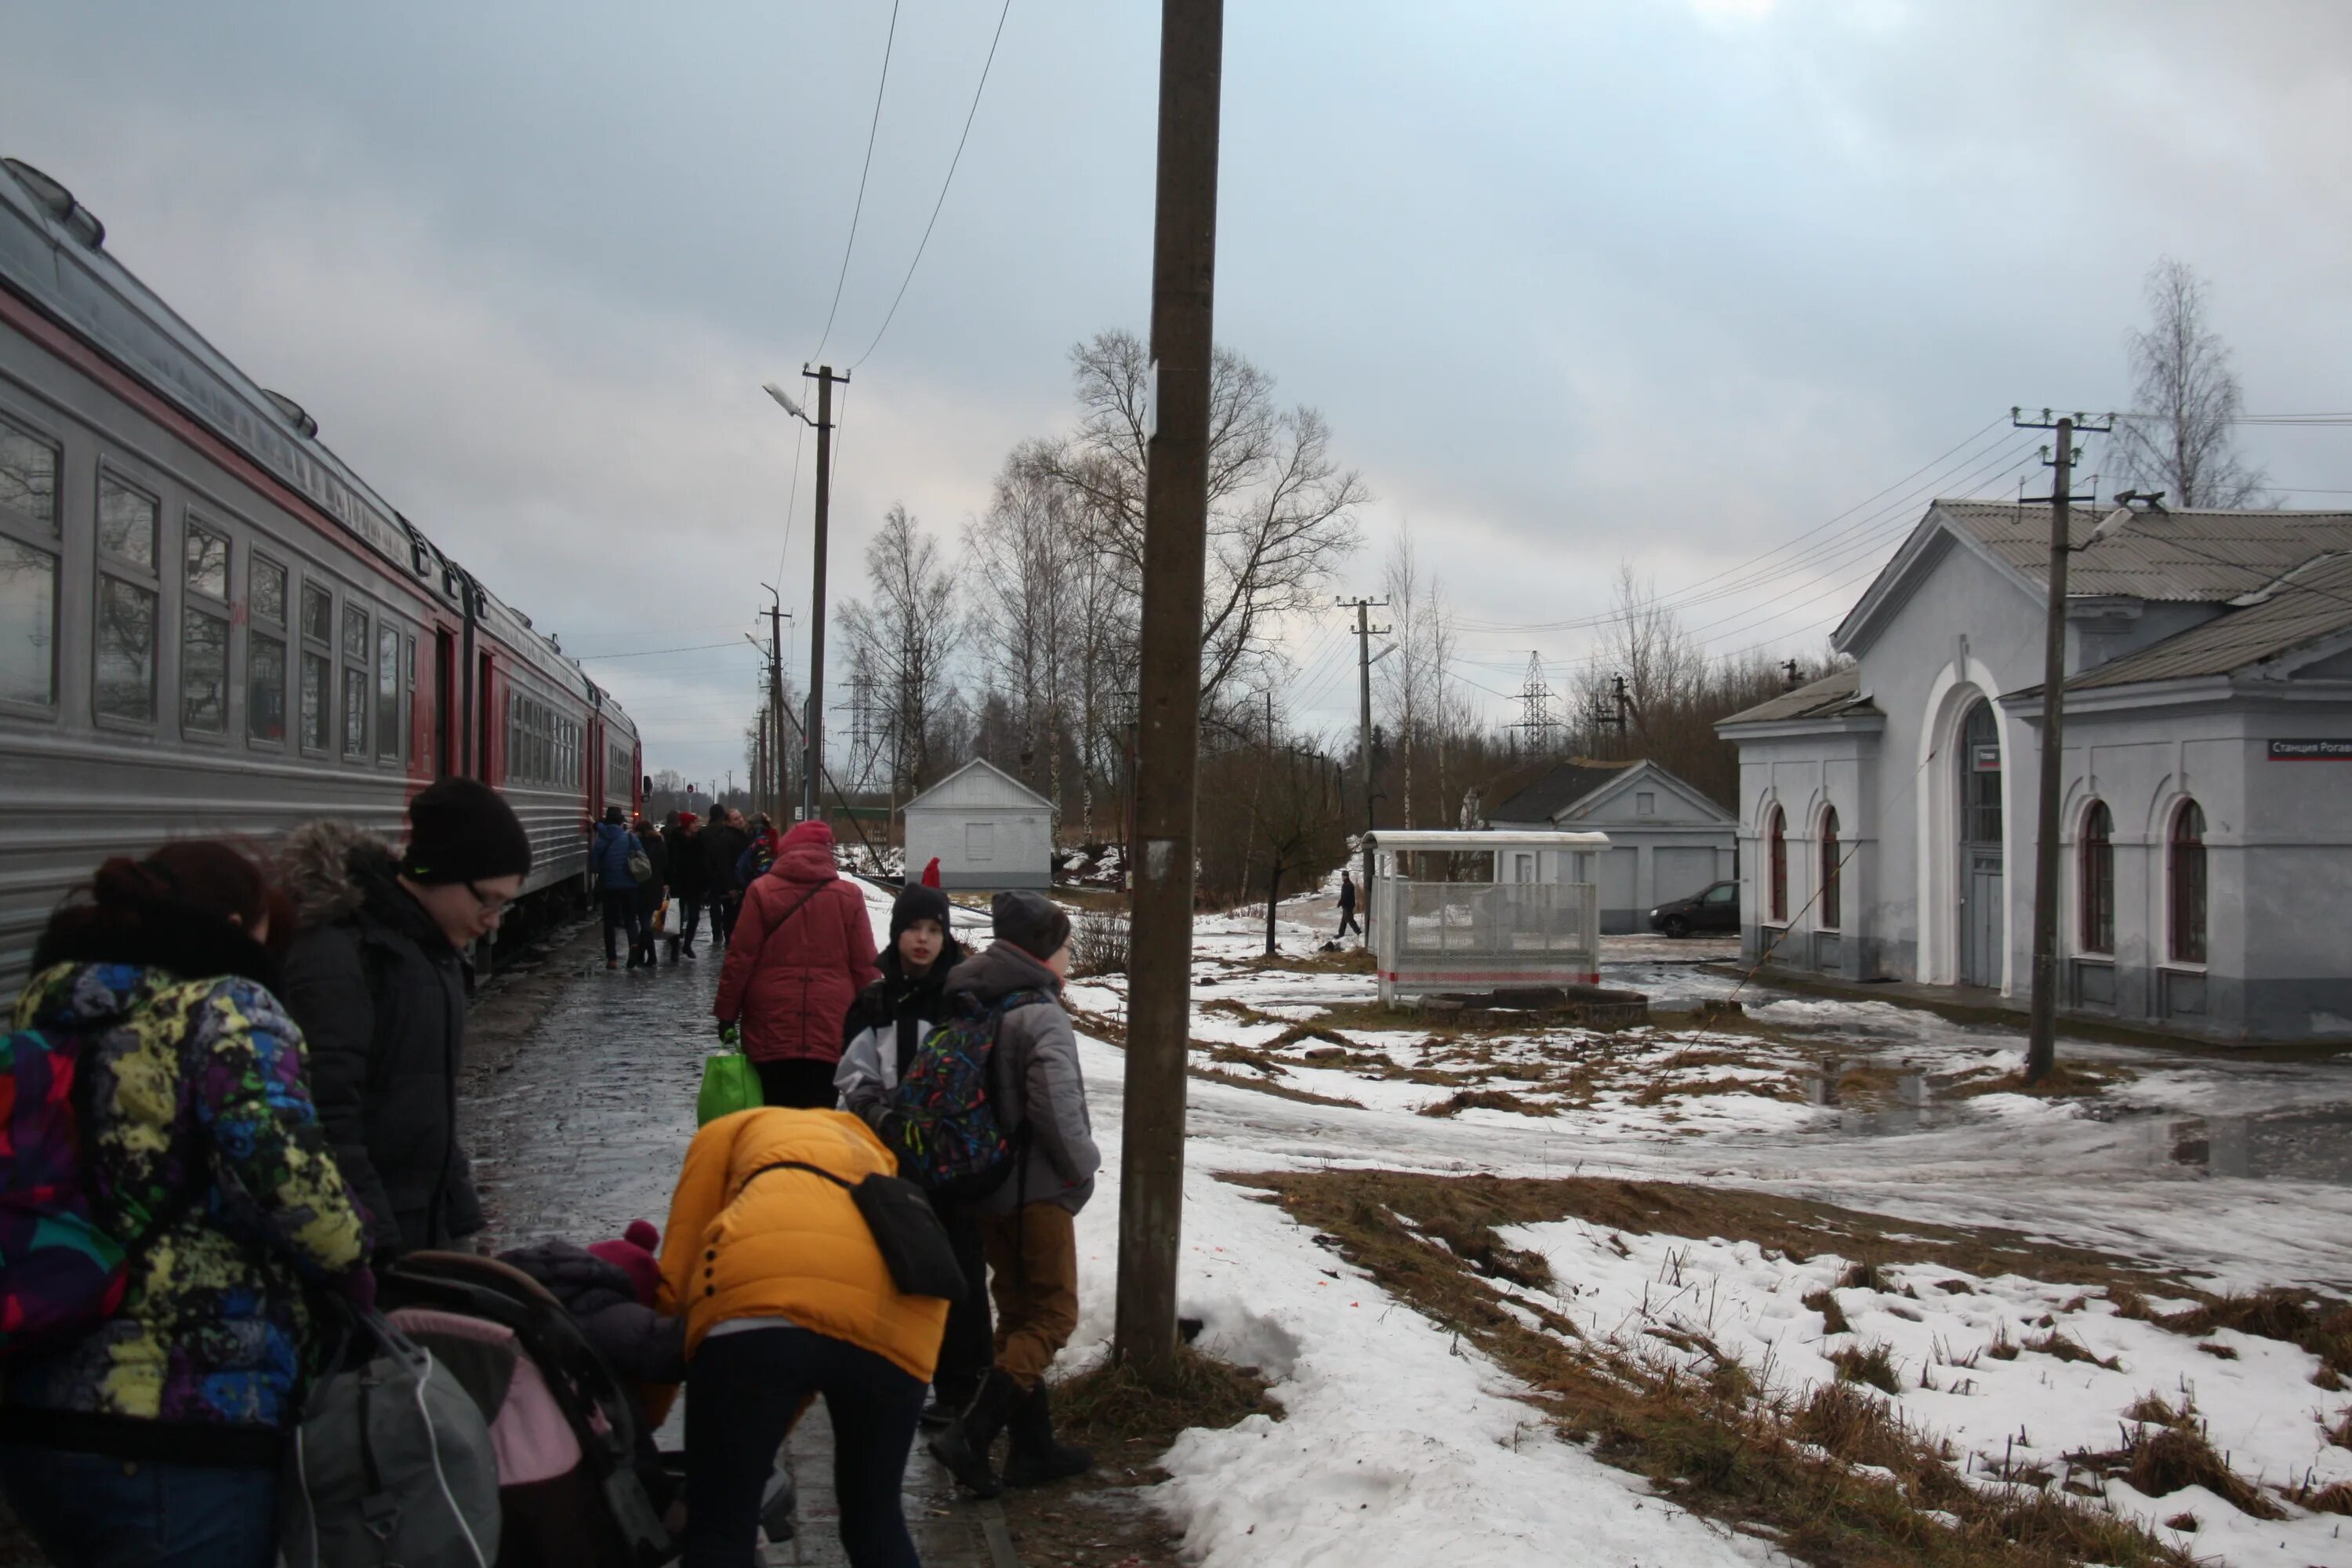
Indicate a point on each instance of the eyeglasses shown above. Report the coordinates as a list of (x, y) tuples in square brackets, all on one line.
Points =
[(494, 907)]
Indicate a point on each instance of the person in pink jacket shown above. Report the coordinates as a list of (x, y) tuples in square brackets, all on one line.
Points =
[(802, 950)]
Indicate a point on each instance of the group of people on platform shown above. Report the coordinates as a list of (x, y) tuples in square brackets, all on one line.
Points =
[(268, 1053)]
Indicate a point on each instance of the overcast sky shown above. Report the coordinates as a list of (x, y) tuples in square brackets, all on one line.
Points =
[(1667, 281)]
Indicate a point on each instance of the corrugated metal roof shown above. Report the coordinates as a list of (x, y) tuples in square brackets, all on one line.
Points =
[(2187, 557), (2312, 602), (1834, 694), (1554, 792)]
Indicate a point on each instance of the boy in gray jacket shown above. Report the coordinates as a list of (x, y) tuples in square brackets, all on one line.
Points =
[(1026, 1221)]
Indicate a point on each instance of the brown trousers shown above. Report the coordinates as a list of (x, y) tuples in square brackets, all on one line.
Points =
[(1032, 1264)]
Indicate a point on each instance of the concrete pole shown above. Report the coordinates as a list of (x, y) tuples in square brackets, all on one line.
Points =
[(2042, 1040)]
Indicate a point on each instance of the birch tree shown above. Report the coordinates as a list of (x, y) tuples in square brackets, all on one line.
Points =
[(901, 638), (2179, 437)]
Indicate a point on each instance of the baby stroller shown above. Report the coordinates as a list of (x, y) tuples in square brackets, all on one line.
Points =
[(578, 1479)]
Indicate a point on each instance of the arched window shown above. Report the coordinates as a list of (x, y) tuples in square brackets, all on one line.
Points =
[(1829, 916), (1776, 836), (2185, 882), (2096, 877)]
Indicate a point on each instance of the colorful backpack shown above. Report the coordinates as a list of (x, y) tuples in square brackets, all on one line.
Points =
[(942, 1119), (60, 1273)]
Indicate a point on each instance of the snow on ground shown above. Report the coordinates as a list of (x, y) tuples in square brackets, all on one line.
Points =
[(1965, 1355)]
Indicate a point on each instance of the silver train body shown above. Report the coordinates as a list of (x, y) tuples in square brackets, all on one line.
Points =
[(210, 625)]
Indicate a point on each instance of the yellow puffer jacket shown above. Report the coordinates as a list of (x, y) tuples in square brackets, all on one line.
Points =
[(789, 1244)]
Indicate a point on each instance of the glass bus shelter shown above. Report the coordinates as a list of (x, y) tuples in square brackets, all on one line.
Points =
[(1477, 913)]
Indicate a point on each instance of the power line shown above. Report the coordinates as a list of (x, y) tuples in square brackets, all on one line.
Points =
[(891, 314), (648, 653), (866, 168)]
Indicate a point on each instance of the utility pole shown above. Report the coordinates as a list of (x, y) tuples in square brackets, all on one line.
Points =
[(776, 689), (1168, 715), (1365, 633), (2041, 1040), (814, 729)]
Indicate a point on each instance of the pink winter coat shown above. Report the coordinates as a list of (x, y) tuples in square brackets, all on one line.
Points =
[(791, 974)]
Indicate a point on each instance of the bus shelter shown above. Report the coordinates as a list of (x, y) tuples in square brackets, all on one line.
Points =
[(1470, 913)]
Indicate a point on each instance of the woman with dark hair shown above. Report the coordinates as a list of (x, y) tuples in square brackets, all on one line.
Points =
[(153, 1436)]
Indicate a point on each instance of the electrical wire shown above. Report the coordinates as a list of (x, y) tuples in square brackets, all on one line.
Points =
[(970, 115), (648, 653), (848, 249)]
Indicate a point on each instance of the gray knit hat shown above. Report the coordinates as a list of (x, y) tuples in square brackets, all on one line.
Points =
[(1030, 922)]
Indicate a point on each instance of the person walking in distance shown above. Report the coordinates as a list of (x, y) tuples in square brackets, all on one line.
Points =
[(377, 977), (723, 842), (1027, 1220), (686, 876), (889, 1019), (611, 847), (154, 1434), (652, 894), (1347, 905), (802, 950)]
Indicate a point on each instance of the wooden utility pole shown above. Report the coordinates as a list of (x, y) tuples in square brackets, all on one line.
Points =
[(1168, 718), (812, 731), (2041, 1038), (1365, 632), (776, 691)]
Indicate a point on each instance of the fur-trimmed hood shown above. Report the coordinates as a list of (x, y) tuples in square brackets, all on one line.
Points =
[(326, 866)]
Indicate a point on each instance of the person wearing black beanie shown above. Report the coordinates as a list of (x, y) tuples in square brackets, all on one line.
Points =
[(377, 977)]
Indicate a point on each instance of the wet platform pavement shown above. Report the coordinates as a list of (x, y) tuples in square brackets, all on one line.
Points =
[(579, 1104)]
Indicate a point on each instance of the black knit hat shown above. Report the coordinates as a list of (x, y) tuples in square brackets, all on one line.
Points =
[(461, 831), (918, 903), (1030, 922)]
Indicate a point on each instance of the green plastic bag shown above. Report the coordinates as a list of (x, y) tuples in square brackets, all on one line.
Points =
[(730, 1084)]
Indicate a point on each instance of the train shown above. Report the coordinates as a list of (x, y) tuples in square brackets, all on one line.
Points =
[(211, 627)]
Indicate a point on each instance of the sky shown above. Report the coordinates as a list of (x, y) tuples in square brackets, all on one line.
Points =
[(1676, 283)]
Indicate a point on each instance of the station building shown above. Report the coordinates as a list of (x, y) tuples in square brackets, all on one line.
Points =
[(1887, 810)]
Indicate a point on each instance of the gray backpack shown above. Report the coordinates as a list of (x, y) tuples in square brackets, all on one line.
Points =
[(392, 1464)]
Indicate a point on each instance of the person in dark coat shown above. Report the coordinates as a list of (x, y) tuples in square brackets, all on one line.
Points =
[(1347, 905), (687, 879), (723, 842), (889, 1019), (609, 1291), (652, 894), (377, 978), (610, 846), (805, 948)]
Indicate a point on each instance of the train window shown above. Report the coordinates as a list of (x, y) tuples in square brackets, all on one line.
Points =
[(318, 614), (28, 478), (355, 680), (126, 522), (387, 694), (315, 675), (207, 558), (28, 622), (125, 651), (204, 671), (265, 687), (266, 590), (356, 630)]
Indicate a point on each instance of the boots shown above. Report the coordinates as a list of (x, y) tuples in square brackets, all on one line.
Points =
[(1036, 1458), (963, 1447)]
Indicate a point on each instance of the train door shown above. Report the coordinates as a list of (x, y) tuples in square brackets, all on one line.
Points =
[(484, 724), (445, 702)]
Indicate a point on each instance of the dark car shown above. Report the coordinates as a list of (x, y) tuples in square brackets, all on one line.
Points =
[(1712, 908)]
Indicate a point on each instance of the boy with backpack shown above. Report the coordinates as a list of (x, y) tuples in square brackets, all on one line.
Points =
[(1028, 1211)]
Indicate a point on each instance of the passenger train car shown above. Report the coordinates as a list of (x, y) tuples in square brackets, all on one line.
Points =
[(210, 625)]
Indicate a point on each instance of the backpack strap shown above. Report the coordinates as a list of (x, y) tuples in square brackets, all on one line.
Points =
[(842, 1183)]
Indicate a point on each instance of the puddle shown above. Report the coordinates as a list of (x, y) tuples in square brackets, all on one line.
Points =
[(2311, 1145)]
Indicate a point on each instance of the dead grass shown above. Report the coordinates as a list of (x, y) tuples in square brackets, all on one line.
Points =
[(1347, 961), (1872, 1363), (1833, 1319), (2301, 1318), (1486, 1100), (2159, 1460), (2056, 1342), (1110, 1409), (2064, 1082), (1713, 1441)]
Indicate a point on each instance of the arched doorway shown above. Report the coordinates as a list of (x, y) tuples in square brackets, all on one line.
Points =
[(1982, 922)]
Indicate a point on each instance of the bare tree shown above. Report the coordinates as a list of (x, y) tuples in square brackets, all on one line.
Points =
[(1422, 705), (901, 639), (1021, 564), (1281, 509), (2185, 399)]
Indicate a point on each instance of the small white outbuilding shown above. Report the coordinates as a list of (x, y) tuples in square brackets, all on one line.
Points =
[(989, 830)]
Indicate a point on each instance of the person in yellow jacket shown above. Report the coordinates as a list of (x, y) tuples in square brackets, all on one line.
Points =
[(785, 1296)]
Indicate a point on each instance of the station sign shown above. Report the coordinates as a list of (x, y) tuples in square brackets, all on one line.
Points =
[(2313, 750)]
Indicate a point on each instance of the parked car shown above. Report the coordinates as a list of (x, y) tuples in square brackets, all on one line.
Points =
[(1714, 907)]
